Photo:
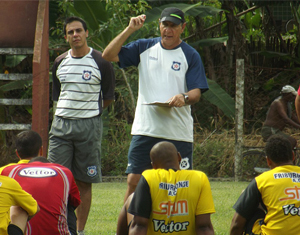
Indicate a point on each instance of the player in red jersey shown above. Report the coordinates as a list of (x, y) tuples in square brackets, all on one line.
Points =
[(53, 186)]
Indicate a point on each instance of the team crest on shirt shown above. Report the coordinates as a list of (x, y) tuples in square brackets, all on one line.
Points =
[(86, 75), (176, 66), (92, 171), (184, 164)]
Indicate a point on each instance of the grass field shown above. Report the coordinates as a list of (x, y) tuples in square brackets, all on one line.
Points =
[(108, 200)]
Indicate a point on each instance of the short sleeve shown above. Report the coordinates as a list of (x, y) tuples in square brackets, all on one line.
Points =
[(205, 203), (23, 199), (248, 201), (141, 203)]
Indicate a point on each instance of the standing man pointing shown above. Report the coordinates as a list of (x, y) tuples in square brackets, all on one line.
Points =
[(170, 71)]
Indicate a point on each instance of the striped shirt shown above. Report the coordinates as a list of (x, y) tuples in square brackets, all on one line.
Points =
[(81, 84)]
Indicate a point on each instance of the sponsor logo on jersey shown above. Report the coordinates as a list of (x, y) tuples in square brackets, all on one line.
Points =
[(292, 194), (173, 208), (176, 66), (160, 225), (86, 75), (291, 209), (0, 184), (295, 177), (37, 172), (172, 188), (92, 171)]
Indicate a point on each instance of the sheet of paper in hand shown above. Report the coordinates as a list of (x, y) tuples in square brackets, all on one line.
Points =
[(158, 103)]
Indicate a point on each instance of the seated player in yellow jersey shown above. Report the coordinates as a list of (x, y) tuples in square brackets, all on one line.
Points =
[(17, 206), (168, 200), (271, 202)]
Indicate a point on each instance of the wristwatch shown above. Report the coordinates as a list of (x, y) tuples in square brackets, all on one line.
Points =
[(186, 97)]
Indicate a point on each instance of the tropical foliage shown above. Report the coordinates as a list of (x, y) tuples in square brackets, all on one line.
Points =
[(222, 31)]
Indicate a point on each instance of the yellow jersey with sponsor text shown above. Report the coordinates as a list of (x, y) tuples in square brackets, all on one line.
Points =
[(280, 192), (177, 197)]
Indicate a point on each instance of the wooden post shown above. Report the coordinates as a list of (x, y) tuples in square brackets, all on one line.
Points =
[(239, 118), (40, 71)]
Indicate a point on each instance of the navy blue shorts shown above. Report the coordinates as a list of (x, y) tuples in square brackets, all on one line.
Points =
[(139, 153)]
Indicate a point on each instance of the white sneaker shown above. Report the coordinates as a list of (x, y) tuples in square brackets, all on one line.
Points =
[(80, 232)]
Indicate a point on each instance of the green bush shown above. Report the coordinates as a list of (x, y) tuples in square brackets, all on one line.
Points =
[(215, 157), (115, 147)]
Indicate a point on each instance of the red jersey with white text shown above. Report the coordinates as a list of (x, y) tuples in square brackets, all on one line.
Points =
[(53, 186)]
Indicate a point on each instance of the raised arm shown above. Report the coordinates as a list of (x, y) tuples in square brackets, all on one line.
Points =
[(112, 50)]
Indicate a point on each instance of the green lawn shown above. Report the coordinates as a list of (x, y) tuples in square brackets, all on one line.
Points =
[(108, 200)]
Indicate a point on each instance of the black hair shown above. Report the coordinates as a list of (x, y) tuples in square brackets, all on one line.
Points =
[(74, 18), (39, 159), (28, 144), (279, 149)]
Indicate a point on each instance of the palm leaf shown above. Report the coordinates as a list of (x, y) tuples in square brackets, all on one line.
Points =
[(274, 54), (15, 85), (208, 42), (217, 96), (92, 12)]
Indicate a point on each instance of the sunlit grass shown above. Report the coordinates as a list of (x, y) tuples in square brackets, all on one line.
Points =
[(108, 200)]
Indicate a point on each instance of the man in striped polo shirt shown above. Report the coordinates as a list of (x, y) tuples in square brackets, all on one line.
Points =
[(83, 85)]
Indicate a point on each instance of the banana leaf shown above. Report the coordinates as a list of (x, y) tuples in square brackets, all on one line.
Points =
[(220, 98), (93, 12), (208, 42)]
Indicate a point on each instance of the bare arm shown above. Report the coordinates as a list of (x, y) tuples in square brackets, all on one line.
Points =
[(124, 218), (237, 224), (178, 100), (106, 103), (282, 112), (122, 222), (112, 50), (204, 225), (139, 226), (19, 216), (295, 118)]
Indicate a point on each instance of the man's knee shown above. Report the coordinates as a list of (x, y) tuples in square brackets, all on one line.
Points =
[(132, 180), (84, 188)]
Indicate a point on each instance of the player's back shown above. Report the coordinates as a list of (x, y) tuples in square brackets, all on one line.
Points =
[(50, 184), (177, 197)]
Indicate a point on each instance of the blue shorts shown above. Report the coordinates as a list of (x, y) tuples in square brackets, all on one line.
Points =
[(139, 153)]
